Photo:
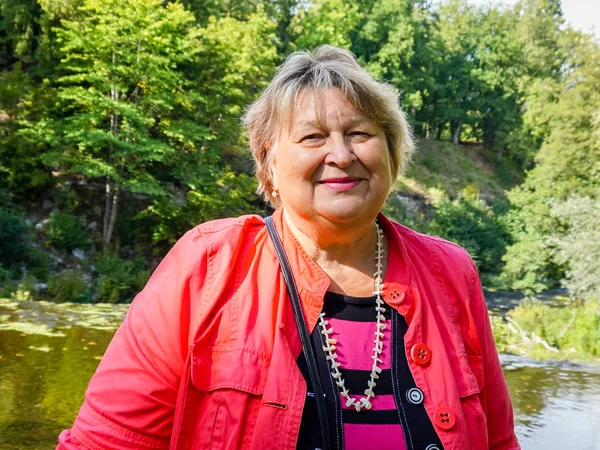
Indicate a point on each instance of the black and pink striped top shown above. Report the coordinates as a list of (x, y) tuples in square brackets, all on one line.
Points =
[(397, 419)]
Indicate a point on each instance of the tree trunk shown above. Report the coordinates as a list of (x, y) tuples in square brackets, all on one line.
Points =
[(439, 131), (113, 216), (488, 133), (107, 203), (456, 133)]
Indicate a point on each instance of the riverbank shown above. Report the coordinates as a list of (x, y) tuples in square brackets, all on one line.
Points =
[(546, 326)]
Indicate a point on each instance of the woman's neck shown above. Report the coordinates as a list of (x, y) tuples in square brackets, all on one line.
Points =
[(331, 246)]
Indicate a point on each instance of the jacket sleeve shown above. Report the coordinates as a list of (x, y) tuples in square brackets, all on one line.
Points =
[(130, 400), (495, 396)]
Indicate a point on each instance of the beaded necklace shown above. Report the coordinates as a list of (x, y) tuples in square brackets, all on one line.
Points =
[(331, 355)]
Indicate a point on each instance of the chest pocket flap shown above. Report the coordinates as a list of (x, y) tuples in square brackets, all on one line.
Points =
[(468, 373), (229, 367)]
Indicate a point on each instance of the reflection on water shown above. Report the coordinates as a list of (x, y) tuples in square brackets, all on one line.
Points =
[(48, 353), (557, 405)]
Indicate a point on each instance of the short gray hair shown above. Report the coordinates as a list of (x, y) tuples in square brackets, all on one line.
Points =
[(325, 68)]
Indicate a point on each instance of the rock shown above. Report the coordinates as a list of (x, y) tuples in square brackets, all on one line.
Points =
[(42, 224), (38, 287), (47, 204), (178, 200), (79, 254), (92, 226)]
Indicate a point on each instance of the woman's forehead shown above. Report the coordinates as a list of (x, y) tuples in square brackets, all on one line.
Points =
[(317, 108)]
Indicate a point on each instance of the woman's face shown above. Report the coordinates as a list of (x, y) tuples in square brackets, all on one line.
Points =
[(331, 163)]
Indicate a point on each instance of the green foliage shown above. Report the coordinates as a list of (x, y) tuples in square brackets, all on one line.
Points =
[(325, 22), (14, 249), (65, 232), (118, 279), (568, 164), (69, 286), (579, 247), (229, 195), (574, 330), (468, 222), (395, 41)]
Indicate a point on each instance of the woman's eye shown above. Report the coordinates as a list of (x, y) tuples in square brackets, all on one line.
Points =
[(311, 137), (359, 133)]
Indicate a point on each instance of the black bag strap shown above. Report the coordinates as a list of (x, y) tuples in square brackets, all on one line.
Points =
[(303, 331)]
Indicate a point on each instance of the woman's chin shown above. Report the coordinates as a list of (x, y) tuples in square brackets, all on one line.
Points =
[(346, 212)]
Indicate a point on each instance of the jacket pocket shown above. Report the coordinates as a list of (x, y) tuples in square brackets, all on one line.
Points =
[(469, 376), (230, 382)]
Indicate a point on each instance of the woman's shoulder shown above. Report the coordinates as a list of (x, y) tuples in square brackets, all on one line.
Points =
[(223, 231), (421, 242)]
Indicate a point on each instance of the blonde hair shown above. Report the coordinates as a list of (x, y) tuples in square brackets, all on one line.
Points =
[(325, 68)]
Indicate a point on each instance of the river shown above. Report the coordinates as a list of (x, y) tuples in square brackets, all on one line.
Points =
[(49, 351)]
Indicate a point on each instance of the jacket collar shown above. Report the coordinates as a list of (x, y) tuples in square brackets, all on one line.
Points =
[(313, 283)]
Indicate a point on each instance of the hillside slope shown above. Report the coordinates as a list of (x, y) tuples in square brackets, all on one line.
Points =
[(440, 169)]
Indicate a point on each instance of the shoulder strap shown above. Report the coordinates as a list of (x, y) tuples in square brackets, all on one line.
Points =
[(302, 329)]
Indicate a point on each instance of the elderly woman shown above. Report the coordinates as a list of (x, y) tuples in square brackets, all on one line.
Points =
[(324, 326)]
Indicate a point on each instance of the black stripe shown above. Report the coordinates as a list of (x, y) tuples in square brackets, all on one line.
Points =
[(383, 417), (343, 298), (342, 310), (356, 381)]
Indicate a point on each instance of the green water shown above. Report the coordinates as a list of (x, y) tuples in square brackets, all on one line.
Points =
[(48, 352)]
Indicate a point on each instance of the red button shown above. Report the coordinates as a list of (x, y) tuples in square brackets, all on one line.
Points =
[(444, 418), (397, 296), (420, 354)]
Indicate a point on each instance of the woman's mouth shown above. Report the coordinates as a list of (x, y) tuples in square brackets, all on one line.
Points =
[(340, 184)]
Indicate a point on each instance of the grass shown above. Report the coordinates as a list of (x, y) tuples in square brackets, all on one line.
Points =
[(439, 166), (570, 332)]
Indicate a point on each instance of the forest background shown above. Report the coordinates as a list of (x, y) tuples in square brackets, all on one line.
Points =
[(120, 130)]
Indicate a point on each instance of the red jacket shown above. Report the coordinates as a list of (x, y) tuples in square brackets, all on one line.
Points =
[(206, 357)]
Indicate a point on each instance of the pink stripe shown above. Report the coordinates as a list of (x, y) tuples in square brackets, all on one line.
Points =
[(379, 402), (382, 437), (356, 342)]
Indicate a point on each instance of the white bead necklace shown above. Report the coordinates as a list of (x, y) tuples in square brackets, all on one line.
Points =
[(331, 355)]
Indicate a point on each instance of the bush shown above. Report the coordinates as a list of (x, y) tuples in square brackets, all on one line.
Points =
[(573, 329), (471, 224), (579, 248), (69, 286), (66, 232), (13, 240), (120, 280)]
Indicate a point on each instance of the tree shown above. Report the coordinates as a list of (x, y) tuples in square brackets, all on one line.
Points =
[(123, 105), (567, 165), (478, 72), (579, 248), (393, 41), (324, 22)]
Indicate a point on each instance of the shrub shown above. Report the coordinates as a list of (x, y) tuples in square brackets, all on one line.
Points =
[(469, 222), (13, 239), (574, 329), (579, 247), (119, 280), (66, 232), (69, 286)]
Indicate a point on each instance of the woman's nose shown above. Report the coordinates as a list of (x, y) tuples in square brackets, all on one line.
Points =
[(339, 151)]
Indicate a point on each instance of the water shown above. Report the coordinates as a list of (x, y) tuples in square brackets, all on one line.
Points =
[(48, 352)]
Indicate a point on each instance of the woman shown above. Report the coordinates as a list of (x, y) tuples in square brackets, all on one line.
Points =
[(394, 348)]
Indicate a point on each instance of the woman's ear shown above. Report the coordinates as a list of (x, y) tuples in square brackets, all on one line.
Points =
[(272, 165)]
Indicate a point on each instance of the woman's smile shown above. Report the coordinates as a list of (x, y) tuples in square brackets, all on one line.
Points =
[(340, 184)]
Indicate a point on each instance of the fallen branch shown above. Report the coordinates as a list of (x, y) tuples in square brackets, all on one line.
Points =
[(515, 327), (536, 338)]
